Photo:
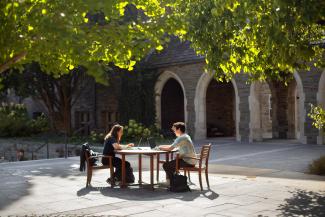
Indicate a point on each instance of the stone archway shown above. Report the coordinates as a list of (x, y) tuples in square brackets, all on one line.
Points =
[(300, 109), (321, 102), (200, 104), (220, 100), (172, 104), (286, 110), (171, 80)]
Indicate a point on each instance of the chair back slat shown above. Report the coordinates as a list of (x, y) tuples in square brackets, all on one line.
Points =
[(87, 155), (205, 153)]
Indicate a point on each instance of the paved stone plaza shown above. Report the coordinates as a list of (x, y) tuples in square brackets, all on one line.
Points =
[(288, 155), (56, 187)]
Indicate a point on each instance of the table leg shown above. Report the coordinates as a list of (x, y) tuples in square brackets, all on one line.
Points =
[(151, 171), (140, 169), (167, 160), (123, 172), (158, 159)]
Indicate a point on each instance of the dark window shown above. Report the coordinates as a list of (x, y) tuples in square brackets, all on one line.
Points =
[(108, 119), (82, 122)]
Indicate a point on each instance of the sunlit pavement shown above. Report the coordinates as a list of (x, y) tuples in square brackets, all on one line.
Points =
[(56, 187), (288, 155)]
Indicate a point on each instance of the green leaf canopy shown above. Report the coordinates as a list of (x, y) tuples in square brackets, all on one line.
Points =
[(263, 38), (62, 34)]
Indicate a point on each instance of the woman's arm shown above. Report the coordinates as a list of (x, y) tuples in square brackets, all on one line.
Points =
[(118, 146)]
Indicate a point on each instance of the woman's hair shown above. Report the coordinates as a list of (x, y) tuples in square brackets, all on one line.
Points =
[(113, 133)]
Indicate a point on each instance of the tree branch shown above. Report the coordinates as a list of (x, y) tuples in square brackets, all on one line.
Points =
[(13, 60)]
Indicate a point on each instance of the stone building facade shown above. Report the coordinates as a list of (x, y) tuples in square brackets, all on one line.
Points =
[(97, 108), (184, 92), (248, 111)]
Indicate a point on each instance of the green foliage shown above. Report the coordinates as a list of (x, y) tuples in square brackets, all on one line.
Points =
[(262, 38), (317, 113), (317, 167), (97, 137), (14, 121), (136, 130), (63, 34), (39, 124)]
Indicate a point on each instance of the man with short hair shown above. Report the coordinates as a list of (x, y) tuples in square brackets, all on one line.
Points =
[(185, 147)]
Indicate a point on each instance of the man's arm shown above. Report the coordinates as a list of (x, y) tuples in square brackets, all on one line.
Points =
[(166, 147), (170, 147)]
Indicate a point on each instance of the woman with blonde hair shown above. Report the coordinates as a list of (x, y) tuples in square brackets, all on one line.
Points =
[(112, 143)]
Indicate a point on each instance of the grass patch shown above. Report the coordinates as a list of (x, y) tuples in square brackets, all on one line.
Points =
[(317, 167)]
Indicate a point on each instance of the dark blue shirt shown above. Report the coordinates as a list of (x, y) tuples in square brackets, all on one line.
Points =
[(108, 146)]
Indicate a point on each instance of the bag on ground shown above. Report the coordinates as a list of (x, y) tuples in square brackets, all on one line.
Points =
[(178, 183)]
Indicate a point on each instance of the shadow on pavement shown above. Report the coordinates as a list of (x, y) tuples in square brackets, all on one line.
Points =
[(304, 203), (15, 180), (142, 194)]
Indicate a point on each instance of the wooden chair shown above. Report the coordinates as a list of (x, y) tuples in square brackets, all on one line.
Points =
[(203, 159), (91, 168)]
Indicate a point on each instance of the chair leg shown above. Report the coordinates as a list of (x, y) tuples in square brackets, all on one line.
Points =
[(88, 177), (112, 176), (200, 180), (189, 176), (87, 181), (207, 178)]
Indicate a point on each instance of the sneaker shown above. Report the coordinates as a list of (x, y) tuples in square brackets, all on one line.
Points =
[(109, 181)]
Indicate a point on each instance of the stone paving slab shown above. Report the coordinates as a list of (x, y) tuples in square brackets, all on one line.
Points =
[(57, 188)]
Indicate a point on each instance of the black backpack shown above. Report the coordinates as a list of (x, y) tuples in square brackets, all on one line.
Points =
[(86, 148), (178, 183)]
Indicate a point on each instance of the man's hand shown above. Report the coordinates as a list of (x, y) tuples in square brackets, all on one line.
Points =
[(130, 145)]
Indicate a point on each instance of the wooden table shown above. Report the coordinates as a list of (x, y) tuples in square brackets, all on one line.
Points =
[(142, 151)]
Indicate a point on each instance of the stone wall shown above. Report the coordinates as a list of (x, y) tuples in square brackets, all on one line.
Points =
[(85, 104), (34, 150), (107, 105), (101, 102)]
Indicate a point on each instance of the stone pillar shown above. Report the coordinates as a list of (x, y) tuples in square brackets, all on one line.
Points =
[(310, 80), (244, 116), (321, 102), (190, 75)]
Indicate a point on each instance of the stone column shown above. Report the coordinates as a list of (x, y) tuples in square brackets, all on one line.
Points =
[(310, 80), (244, 116), (190, 75)]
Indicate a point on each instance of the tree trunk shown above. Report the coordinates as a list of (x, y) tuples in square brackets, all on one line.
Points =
[(67, 119)]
